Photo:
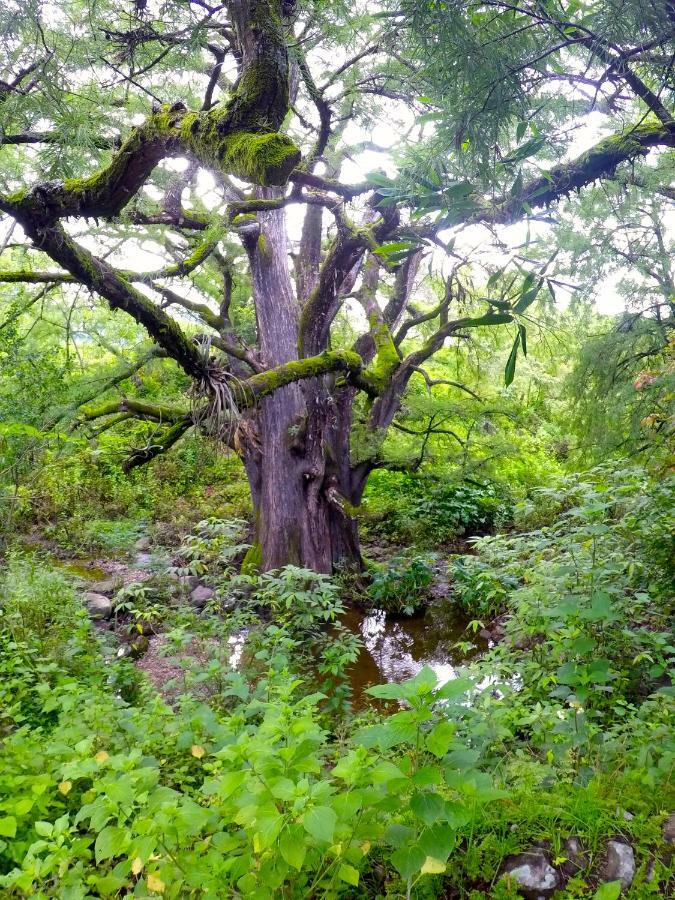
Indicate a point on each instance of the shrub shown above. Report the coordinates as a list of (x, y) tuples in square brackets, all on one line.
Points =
[(428, 512), (400, 586)]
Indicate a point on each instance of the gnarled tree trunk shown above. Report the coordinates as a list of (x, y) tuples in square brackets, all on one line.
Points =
[(297, 459)]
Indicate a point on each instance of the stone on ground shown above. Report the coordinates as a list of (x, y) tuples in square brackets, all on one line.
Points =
[(533, 873), (619, 864), (200, 596), (98, 605)]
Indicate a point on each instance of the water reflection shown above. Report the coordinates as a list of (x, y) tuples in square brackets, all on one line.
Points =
[(396, 649)]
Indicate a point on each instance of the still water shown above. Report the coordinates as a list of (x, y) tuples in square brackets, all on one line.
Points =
[(396, 648)]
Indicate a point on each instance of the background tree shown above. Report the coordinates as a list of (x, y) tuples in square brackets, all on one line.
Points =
[(265, 103)]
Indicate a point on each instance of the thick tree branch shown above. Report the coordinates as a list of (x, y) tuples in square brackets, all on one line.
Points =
[(601, 161), (240, 137), (143, 455)]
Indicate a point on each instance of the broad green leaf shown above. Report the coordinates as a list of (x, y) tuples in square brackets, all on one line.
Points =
[(438, 841), (611, 890), (408, 861), (440, 737), (320, 823), (427, 806), (8, 826), (292, 846), (453, 689), (462, 758), (348, 874), (112, 841)]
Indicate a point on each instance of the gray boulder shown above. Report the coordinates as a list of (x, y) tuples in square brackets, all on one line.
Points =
[(200, 596), (669, 830), (619, 864), (187, 583), (98, 605), (108, 586), (533, 874), (143, 544)]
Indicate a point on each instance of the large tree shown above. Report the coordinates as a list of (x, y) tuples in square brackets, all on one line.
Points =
[(275, 100)]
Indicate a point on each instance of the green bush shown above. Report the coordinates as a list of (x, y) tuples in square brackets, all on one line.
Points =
[(429, 512), (400, 586)]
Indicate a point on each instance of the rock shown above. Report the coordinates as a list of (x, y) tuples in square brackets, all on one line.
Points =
[(98, 605), (187, 583), (108, 586), (619, 864), (142, 544), (576, 858), (139, 646), (200, 596), (669, 830), (533, 873)]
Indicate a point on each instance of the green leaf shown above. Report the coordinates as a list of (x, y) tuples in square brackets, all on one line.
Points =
[(523, 338), (292, 846), (8, 826), (510, 370), (453, 689), (609, 891), (440, 738), (487, 319), (427, 806), (526, 299), (391, 691), (408, 861), (320, 823), (112, 841), (386, 736), (517, 186), (394, 247), (463, 758), (348, 874), (438, 841)]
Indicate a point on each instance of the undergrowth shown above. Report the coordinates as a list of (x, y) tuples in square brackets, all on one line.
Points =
[(257, 780)]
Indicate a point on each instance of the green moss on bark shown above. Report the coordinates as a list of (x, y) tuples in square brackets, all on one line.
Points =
[(329, 361), (252, 562)]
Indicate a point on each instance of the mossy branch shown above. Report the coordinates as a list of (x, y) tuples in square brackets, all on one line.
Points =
[(239, 138), (258, 386), (601, 161), (138, 408)]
